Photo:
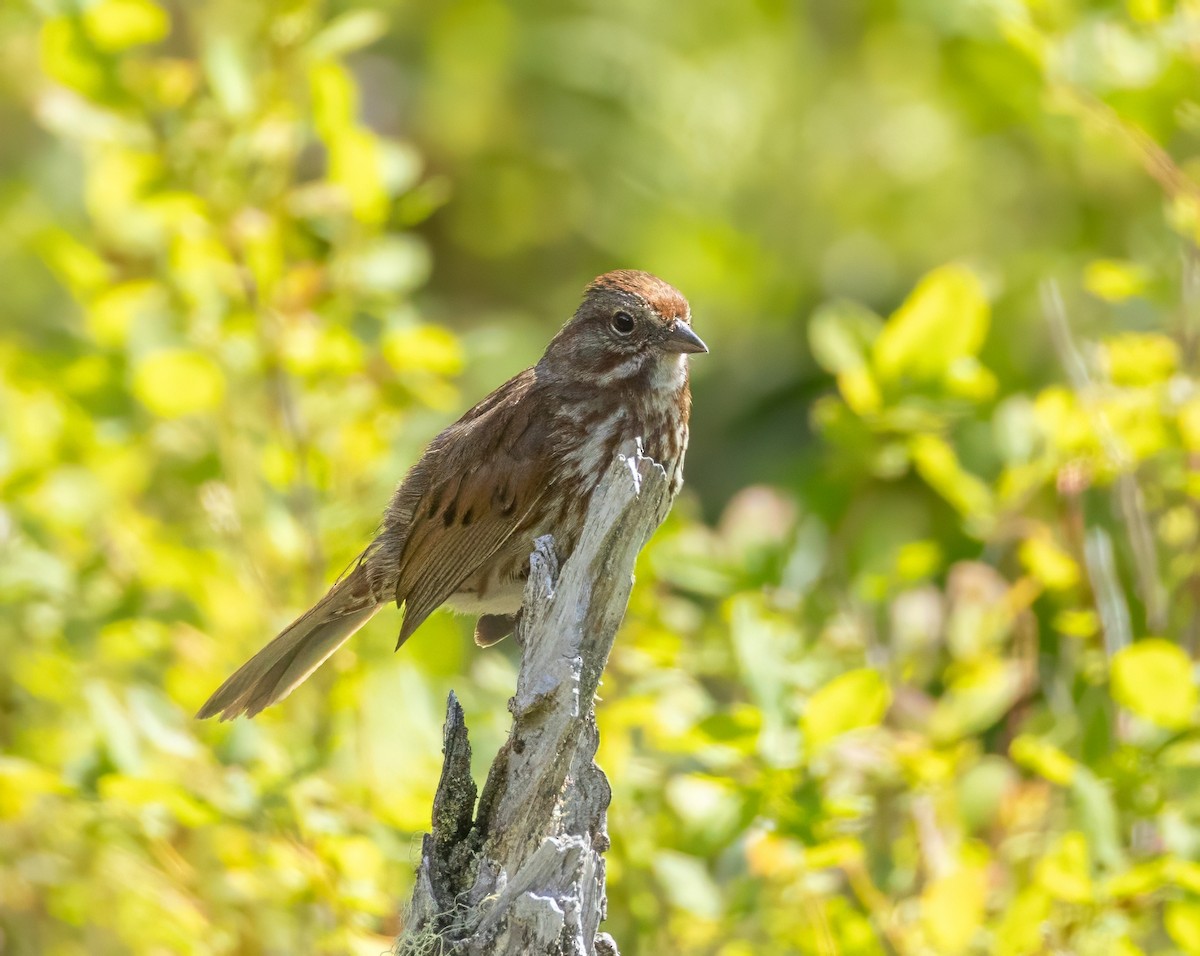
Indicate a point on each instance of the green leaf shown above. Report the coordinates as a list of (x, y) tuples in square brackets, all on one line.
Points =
[(1043, 758), (351, 31), (937, 462), (1019, 930), (67, 56), (975, 699), (840, 334), (1065, 871), (1182, 921), (116, 25), (1153, 679), (687, 883), (229, 75), (850, 701), (944, 319), (174, 382), (429, 348), (1140, 359), (1115, 280), (1050, 564), (952, 908), (1098, 817), (21, 783)]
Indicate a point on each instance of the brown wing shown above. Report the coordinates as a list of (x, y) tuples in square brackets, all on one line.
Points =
[(476, 486)]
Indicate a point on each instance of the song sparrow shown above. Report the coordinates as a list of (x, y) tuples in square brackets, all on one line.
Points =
[(522, 463)]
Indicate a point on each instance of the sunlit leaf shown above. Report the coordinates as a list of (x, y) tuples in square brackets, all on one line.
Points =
[(968, 378), (356, 165), (1050, 564), (1146, 11), (348, 32), (976, 698), (840, 334), (1141, 359), (1065, 870), (1077, 623), (116, 729), (688, 884), (81, 268), (133, 792), (1183, 873), (67, 56), (1138, 880), (115, 25), (112, 314), (225, 65), (937, 462), (1182, 921), (1115, 280), (952, 908), (1021, 928), (426, 347), (174, 382), (839, 852), (391, 265), (943, 320), (1153, 678), (771, 855), (918, 559), (1098, 819), (850, 701), (1043, 758), (858, 388), (707, 805), (21, 783)]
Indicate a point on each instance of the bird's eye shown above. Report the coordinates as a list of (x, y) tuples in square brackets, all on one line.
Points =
[(622, 322)]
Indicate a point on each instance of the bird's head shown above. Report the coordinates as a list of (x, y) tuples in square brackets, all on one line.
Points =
[(631, 328)]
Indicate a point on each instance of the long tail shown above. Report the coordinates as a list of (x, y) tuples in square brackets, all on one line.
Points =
[(281, 666)]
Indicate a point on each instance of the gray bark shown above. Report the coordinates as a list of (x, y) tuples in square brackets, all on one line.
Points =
[(524, 873)]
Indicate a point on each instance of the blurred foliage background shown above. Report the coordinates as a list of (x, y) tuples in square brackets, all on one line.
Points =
[(910, 670)]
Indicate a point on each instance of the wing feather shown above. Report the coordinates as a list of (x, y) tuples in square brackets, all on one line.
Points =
[(460, 524)]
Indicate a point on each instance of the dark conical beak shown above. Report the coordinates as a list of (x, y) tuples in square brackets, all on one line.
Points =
[(681, 338)]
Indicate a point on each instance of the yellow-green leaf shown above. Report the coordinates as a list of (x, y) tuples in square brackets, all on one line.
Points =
[(1114, 280), (174, 382), (1153, 679), (1182, 920), (111, 314), (952, 908), (975, 699), (937, 463), (1044, 759), (67, 56), (840, 334), (428, 348), (1065, 871), (348, 32), (943, 320), (116, 25), (859, 390), (334, 100), (1019, 930), (850, 701), (1141, 359), (1050, 564)]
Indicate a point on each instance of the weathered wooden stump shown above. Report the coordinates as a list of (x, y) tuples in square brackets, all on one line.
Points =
[(524, 872)]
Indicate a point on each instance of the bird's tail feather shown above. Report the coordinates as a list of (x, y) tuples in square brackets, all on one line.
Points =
[(305, 644)]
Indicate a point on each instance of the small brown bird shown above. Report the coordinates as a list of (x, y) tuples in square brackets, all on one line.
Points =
[(522, 463)]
